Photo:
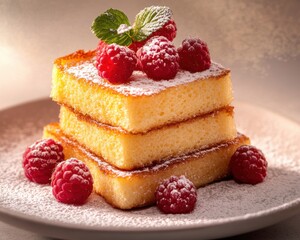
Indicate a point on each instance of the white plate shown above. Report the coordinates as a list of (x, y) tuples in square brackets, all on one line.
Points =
[(223, 209)]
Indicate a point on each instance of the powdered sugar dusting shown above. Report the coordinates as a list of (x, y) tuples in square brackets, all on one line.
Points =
[(217, 203), (140, 84), (160, 47)]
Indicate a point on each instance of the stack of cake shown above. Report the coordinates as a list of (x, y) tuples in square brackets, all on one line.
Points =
[(132, 136)]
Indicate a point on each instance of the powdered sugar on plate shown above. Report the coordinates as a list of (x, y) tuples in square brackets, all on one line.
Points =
[(140, 84), (217, 203)]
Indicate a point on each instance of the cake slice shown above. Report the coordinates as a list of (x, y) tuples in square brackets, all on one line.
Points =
[(131, 189), (142, 104), (128, 151)]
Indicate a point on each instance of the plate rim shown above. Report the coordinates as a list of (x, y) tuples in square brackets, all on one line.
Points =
[(293, 205)]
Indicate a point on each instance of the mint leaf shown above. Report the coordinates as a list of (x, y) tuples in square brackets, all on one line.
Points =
[(150, 20), (113, 27)]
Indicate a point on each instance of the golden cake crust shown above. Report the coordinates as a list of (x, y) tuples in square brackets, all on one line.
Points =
[(228, 109), (143, 103), (131, 189), (128, 151), (80, 65)]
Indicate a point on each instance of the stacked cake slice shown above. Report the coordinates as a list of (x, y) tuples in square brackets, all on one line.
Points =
[(134, 135)]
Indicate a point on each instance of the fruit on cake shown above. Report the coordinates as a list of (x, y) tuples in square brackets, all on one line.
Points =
[(137, 110), (76, 84)]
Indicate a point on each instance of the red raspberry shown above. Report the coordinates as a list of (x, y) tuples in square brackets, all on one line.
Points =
[(248, 165), (159, 58), (138, 66), (72, 182), (101, 46), (135, 46), (194, 55), (176, 195), (116, 63), (40, 159), (168, 30)]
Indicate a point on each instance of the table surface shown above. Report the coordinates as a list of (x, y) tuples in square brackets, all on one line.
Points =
[(265, 71)]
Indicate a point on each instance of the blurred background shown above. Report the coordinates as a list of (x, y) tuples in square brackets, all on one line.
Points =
[(258, 40)]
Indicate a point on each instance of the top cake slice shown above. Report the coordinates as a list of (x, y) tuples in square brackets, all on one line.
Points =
[(142, 104)]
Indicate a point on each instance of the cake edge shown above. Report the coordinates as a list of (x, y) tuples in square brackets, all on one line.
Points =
[(132, 189)]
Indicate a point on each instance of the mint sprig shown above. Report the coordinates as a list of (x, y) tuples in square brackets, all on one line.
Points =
[(149, 20), (113, 25), (106, 27)]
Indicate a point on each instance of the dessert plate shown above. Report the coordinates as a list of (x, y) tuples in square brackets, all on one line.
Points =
[(223, 209)]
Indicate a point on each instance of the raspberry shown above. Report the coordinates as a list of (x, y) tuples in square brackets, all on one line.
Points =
[(72, 182), (40, 159), (194, 55), (101, 46), (168, 31), (135, 46), (138, 66), (159, 58), (116, 63), (248, 165), (176, 195)]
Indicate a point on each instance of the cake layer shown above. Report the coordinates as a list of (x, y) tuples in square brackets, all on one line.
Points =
[(129, 151), (131, 189), (143, 103)]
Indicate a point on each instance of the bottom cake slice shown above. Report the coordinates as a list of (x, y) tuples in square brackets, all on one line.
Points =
[(135, 188)]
